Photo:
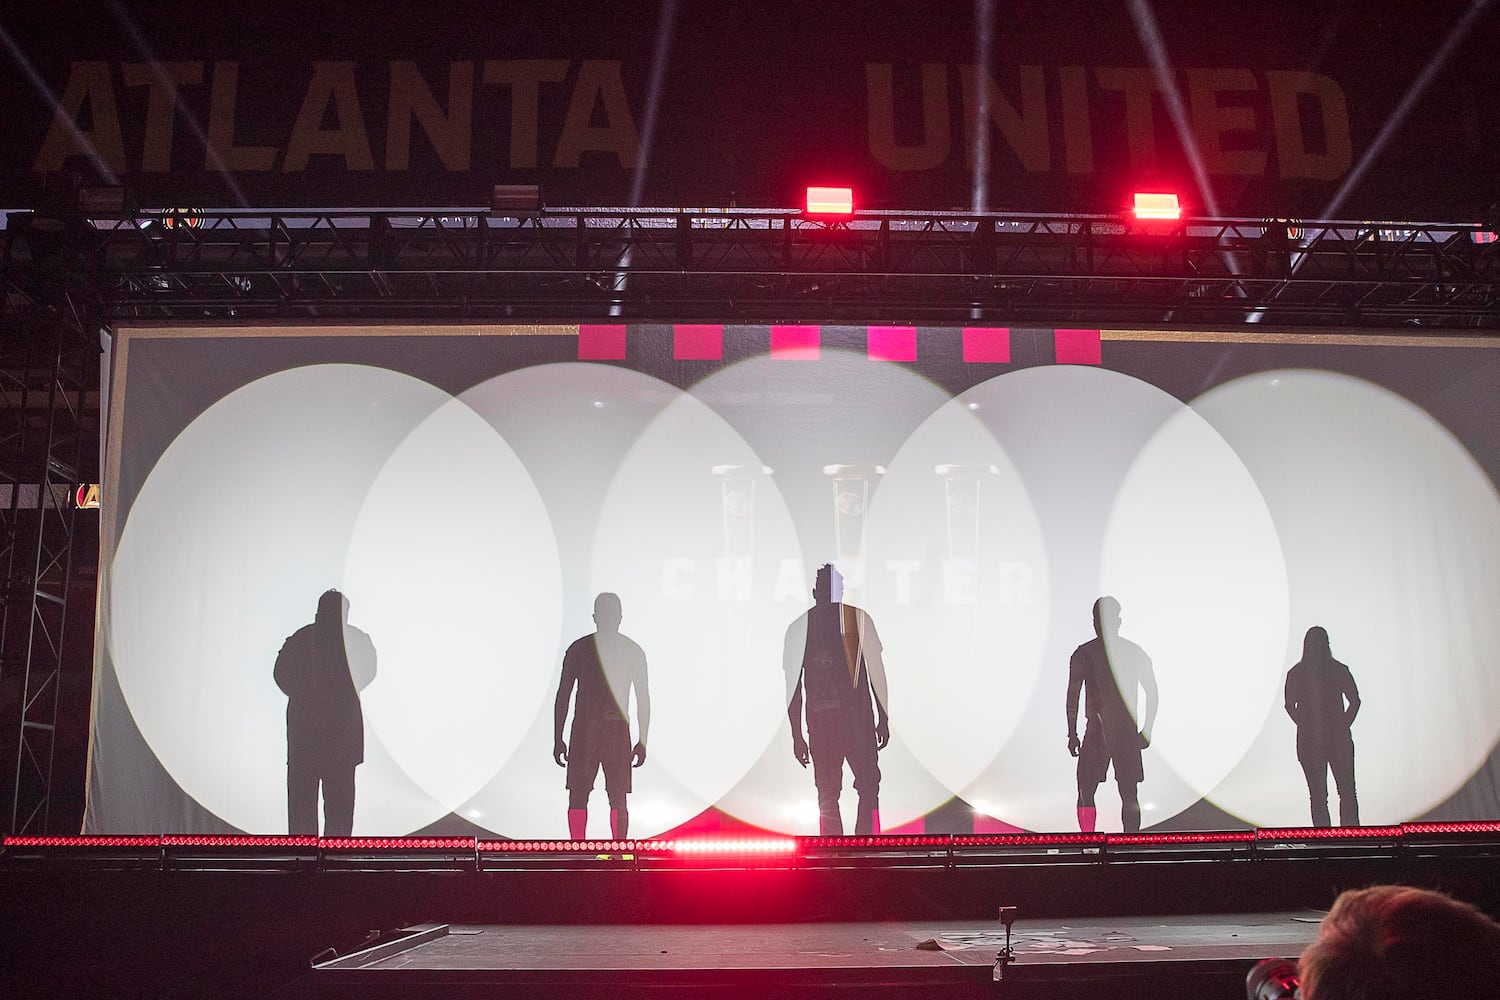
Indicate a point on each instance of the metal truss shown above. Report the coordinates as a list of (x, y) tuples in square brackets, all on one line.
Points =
[(62, 278), (776, 265), (47, 364)]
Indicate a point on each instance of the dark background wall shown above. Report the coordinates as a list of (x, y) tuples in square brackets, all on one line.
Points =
[(330, 103)]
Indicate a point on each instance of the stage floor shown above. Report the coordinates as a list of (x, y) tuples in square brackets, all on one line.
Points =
[(241, 922), (942, 957)]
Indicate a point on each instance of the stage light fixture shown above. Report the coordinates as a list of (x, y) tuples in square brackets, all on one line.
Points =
[(11, 842), (1464, 826), (1149, 205), (830, 201), (1029, 840), (397, 843), (1285, 835), (1179, 839), (736, 845), (513, 198), (877, 841), (101, 199), (220, 840), (1489, 224)]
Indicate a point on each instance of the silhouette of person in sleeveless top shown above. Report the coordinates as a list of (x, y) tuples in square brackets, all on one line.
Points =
[(832, 659)]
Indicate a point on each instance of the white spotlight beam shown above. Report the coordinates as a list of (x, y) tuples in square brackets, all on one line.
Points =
[(1404, 106)]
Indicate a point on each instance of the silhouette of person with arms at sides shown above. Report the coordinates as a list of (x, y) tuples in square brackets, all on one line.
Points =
[(1322, 700), (833, 663), (1395, 942), (1111, 672), (321, 668), (605, 666)]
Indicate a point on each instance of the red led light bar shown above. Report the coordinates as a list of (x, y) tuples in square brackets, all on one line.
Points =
[(1029, 840), (735, 845), (573, 846), (1293, 834), (1156, 206), (397, 843), (830, 201), (1207, 837), (884, 840), (112, 841), (197, 840), (1484, 236), (1472, 826)]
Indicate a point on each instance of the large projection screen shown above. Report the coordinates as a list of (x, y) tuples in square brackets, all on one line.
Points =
[(470, 490)]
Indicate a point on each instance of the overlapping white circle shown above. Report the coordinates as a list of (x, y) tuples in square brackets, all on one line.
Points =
[(636, 471), (801, 419), (471, 536), (1139, 499), (1192, 554), (317, 477), (1392, 540), (957, 578), (695, 532), (455, 569)]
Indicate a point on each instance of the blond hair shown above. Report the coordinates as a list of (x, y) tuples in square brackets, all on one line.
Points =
[(1395, 942)]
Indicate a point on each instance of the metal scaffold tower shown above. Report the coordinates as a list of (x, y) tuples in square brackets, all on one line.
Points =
[(48, 366)]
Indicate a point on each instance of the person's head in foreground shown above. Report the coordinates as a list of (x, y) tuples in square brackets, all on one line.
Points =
[(1394, 942)]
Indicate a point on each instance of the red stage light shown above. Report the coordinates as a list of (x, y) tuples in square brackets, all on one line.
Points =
[(1420, 829), (1029, 840), (1484, 236), (1156, 206), (199, 840), (878, 840), (735, 845), (1156, 839), (572, 846), (397, 843), (113, 841), (830, 201), (1294, 834)]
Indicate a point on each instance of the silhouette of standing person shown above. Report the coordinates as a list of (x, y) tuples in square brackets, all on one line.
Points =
[(832, 657), (605, 667), (321, 668), (1111, 672), (1322, 700)]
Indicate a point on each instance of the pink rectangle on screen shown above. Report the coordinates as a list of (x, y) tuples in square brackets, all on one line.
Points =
[(893, 343), (1078, 347), (697, 342), (987, 344), (601, 343), (795, 343)]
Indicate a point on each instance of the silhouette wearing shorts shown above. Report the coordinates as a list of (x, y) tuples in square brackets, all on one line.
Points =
[(605, 667), (1110, 672)]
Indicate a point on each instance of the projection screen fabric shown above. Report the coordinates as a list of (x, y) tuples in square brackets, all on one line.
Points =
[(471, 490)]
